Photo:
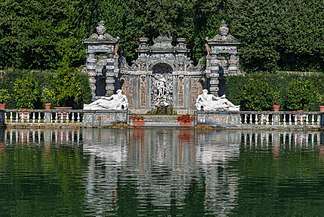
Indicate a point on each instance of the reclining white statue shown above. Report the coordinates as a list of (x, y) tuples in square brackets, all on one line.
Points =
[(209, 102), (115, 102)]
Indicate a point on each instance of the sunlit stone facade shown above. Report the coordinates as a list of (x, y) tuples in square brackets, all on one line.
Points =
[(163, 75)]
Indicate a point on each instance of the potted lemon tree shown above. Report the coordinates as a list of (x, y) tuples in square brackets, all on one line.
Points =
[(48, 98), (276, 101)]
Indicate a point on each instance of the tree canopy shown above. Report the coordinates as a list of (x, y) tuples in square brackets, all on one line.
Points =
[(45, 34)]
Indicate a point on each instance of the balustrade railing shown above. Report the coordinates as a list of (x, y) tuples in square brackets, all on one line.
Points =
[(39, 136), (14, 116), (262, 119), (281, 118)]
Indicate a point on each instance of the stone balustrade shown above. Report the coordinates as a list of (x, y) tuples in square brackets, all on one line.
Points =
[(281, 119), (41, 117), (264, 119), (233, 120)]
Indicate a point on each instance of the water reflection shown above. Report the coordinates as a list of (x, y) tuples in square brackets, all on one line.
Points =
[(166, 171)]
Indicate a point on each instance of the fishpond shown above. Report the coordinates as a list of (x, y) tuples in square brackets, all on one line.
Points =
[(161, 172)]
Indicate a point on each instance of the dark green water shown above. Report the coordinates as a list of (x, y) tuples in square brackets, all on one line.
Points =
[(161, 172)]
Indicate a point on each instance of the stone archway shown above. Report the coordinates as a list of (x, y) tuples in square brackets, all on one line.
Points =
[(162, 85)]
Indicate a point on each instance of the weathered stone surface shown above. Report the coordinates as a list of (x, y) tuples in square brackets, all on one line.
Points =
[(219, 119), (223, 53), (104, 118), (163, 74)]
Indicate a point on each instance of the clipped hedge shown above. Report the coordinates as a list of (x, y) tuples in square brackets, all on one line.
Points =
[(32, 88), (258, 91)]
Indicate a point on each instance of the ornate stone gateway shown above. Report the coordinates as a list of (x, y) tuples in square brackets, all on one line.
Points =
[(163, 75)]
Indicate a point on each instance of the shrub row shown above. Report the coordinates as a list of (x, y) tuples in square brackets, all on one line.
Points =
[(259, 91), (31, 89)]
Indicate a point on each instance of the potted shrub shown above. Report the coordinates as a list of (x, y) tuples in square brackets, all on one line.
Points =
[(302, 95), (25, 92), (276, 101), (48, 98), (4, 97)]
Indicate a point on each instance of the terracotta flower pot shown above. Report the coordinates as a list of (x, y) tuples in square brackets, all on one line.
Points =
[(321, 108), (2, 106), (276, 107), (138, 123), (48, 106)]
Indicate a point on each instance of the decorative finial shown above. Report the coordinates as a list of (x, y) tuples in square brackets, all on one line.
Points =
[(223, 29), (101, 29)]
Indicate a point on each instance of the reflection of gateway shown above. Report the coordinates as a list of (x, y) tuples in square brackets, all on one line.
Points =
[(213, 151), (108, 150)]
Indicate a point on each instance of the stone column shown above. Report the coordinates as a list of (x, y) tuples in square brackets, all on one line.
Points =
[(102, 59), (91, 71)]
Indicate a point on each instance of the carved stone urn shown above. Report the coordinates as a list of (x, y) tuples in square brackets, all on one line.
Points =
[(48, 106)]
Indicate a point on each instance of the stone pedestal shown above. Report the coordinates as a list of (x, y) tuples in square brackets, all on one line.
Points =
[(219, 119), (104, 118)]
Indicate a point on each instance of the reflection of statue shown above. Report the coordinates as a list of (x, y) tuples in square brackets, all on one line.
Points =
[(209, 102), (115, 102)]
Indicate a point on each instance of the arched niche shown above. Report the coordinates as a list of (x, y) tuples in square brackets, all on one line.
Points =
[(162, 68)]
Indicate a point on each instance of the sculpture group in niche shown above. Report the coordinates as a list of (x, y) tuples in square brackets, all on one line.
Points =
[(162, 90), (209, 102), (117, 101)]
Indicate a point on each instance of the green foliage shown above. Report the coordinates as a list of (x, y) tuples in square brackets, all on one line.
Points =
[(258, 91), (26, 91), (322, 99), (4, 95), (302, 95), (70, 87), (257, 95), (44, 34), (48, 96), (65, 87)]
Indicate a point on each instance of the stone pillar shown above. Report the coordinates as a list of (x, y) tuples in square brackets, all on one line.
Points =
[(91, 71), (212, 72), (222, 57), (102, 59)]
